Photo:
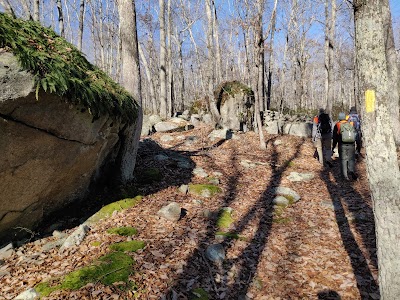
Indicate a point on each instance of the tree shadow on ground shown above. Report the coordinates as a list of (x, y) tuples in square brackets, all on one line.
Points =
[(350, 207), (232, 278)]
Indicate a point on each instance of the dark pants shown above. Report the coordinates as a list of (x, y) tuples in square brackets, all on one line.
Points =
[(347, 159)]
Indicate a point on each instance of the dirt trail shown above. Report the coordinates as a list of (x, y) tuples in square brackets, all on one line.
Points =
[(322, 247)]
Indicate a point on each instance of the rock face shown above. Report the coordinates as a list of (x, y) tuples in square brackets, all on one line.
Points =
[(235, 102), (52, 150)]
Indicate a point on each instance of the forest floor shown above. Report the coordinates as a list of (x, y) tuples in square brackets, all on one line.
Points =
[(322, 247)]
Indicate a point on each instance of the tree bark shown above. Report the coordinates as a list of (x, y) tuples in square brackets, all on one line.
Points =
[(81, 20), (382, 165), (211, 64), (36, 7), (330, 23), (163, 62), (60, 18), (393, 70), (169, 58), (150, 80)]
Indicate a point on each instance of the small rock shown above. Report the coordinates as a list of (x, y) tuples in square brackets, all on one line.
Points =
[(184, 188), (295, 176), (30, 294), (197, 202), (200, 172), (171, 212), (284, 191), (76, 237), (215, 253), (281, 201), (213, 181), (277, 142), (6, 251), (166, 138), (59, 234)]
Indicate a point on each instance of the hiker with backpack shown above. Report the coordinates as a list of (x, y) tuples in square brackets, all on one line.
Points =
[(344, 134), (322, 137), (355, 120)]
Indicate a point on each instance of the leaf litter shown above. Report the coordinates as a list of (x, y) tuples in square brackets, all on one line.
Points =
[(326, 248)]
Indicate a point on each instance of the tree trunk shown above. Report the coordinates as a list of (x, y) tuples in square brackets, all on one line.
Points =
[(130, 54), (149, 79), (60, 18), (211, 64), (36, 7), (217, 48), (330, 23), (81, 20), (171, 109), (382, 165), (393, 71), (163, 62), (271, 57)]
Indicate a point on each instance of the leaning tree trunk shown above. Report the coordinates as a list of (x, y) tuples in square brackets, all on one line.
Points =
[(382, 165), (393, 71)]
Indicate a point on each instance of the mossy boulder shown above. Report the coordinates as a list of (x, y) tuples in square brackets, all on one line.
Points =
[(204, 190), (235, 102), (65, 125), (107, 211)]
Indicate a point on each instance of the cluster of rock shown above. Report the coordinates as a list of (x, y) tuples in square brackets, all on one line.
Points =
[(298, 125)]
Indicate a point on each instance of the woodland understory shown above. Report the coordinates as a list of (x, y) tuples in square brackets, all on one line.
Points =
[(322, 247)]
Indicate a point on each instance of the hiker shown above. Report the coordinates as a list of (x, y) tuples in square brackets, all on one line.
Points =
[(355, 120), (322, 137), (344, 135)]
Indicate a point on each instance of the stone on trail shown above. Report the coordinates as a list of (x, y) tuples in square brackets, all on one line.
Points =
[(171, 212), (30, 294), (295, 176), (281, 201), (200, 172), (76, 237), (286, 192), (184, 188), (6, 251), (215, 253)]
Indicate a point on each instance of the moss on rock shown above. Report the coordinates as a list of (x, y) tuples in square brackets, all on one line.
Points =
[(59, 68), (111, 268), (107, 211), (124, 231), (204, 190), (129, 246), (225, 219)]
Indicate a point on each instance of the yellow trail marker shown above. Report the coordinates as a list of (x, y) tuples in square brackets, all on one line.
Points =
[(369, 101)]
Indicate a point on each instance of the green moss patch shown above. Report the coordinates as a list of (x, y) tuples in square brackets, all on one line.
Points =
[(225, 219), (198, 294), (95, 243), (59, 68), (111, 268), (231, 235), (107, 211), (281, 220), (204, 190), (129, 246), (124, 231)]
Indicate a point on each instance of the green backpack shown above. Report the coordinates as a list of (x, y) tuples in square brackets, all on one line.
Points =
[(348, 133)]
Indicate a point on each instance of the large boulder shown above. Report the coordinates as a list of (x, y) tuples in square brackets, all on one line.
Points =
[(235, 102), (53, 148), (303, 129)]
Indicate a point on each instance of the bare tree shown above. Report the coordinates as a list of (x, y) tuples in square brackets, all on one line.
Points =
[(330, 23), (81, 23), (60, 18), (382, 165), (36, 8), (163, 62)]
